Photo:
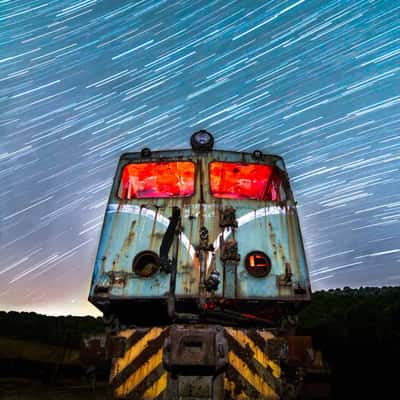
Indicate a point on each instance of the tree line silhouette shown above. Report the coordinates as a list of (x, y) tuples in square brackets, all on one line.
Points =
[(357, 330)]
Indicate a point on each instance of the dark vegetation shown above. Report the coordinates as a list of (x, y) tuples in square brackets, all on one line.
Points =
[(59, 331), (40, 358), (357, 330)]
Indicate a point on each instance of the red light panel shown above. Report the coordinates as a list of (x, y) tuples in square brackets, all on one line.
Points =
[(258, 264), (157, 179), (245, 181)]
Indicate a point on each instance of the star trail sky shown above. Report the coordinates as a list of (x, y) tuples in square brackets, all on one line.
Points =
[(83, 81)]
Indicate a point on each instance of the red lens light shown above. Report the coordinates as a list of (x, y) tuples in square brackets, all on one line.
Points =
[(258, 264), (157, 179), (245, 181)]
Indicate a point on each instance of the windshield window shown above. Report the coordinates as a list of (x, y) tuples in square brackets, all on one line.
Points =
[(157, 179), (245, 181)]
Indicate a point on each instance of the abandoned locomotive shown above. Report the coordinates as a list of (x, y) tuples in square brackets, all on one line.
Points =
[(200, 273)]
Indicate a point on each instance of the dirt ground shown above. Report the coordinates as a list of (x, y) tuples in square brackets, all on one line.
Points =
[(25, 389)]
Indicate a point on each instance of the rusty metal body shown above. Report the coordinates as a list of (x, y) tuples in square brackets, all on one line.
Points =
[(204, 362), (201, 326), (132, 226)]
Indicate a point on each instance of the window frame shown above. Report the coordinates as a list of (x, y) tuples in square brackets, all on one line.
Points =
[(273, 166), (122, 167)]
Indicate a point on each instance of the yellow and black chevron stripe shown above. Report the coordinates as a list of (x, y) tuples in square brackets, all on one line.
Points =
[(250, 373), (139, 374)]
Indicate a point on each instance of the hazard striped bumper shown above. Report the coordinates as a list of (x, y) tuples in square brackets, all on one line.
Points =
[(189, 362)]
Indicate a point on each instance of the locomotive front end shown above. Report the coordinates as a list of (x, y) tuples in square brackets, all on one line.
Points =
[(200, 258)]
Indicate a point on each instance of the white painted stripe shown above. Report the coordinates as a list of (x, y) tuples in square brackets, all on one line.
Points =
[(243, 220)]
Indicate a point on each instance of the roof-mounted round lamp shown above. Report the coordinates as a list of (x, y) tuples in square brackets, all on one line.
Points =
[(202, 141)]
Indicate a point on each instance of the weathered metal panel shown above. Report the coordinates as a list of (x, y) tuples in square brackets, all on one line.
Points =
[(132, 226), (98, 270), (188, 268), (133, 229), (271, 230)]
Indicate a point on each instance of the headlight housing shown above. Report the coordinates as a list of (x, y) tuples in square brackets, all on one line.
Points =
[(146, 264), (202, 141)]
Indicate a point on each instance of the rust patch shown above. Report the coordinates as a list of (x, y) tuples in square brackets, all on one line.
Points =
[(300, 350), (129, 239), (292, 232), (153, 229), (275, 248), (198, 350), (103, 263), (118, 278), (185, 268), (282, 253), (115, 226), (227, 217), (272, 236), (158, 235), (286, 278), (125, 248), (115, 263), (229, 250)]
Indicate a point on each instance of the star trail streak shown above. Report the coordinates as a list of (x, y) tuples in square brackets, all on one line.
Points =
[(83, 81)]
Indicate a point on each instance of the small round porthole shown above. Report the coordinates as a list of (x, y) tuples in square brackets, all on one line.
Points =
[(146, 263), (258, 264)]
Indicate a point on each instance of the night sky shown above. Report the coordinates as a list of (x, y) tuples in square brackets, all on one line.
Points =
[(317, 82)]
